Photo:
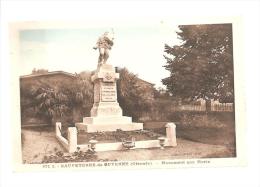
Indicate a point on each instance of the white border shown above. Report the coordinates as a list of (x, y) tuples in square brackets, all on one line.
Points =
[(237, 26), (242, 176)]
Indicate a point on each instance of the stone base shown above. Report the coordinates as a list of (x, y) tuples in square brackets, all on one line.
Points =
[(107, 120), (106, 109), (85, 127)]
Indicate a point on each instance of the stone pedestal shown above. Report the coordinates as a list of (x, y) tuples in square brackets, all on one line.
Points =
[(106, 114)]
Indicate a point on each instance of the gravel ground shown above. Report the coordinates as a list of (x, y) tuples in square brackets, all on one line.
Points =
[(37, 144), (184, 150)]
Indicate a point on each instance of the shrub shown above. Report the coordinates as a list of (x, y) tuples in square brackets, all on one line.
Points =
[(53, 101), (134, 97)]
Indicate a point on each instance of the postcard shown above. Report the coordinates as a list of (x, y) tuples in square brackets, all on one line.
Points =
[(127, 95)]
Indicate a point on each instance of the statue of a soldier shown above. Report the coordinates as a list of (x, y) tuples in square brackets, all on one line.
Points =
[(104, 44)]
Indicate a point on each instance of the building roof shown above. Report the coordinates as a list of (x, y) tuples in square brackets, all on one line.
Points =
[(146, 82), (65, 73), (47, 74)]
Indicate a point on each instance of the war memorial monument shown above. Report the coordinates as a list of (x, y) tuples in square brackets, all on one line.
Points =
[(107, 115)]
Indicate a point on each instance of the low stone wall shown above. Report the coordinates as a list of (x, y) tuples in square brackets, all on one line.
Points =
[(71, 144), (64, 142)]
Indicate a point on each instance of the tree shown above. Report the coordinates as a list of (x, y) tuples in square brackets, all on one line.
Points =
[(133, 96), (80, 95), (62, 100), (48, 101), (162, 93), (202, 65)]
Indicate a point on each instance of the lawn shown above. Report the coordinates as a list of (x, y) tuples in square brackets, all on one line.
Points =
[(214, 128)]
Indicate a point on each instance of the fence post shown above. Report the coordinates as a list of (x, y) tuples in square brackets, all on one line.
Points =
[(171, 134), (58, 129), (72, 139)]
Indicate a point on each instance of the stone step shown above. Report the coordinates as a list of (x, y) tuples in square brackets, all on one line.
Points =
[(107, 120), (108, 127)]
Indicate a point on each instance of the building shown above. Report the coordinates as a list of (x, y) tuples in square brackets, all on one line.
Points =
[(56, 77)]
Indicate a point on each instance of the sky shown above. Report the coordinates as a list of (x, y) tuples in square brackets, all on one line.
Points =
[(138, 48)]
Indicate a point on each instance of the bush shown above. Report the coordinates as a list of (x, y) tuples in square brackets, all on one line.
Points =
[(54, 101), (134, 97), (202, 119), (78, 156)]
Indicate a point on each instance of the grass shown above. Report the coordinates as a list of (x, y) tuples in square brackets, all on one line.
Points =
[(213, 136), (216, 128)]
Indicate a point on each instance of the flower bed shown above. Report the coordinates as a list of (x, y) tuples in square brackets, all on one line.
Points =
[(117, 136)]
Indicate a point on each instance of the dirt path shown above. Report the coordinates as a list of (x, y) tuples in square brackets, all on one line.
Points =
[(184, 150), (37, 144)]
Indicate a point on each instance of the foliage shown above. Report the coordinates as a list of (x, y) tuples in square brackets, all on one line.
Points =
[(77, 156), (208, 121), (133, 96), (202, 65), (118, 136), (80, 93), (162, 93), (48, 101), (56, 100), (214, 128)]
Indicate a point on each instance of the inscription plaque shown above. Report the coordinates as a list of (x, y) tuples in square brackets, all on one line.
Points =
[(108, 92)]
